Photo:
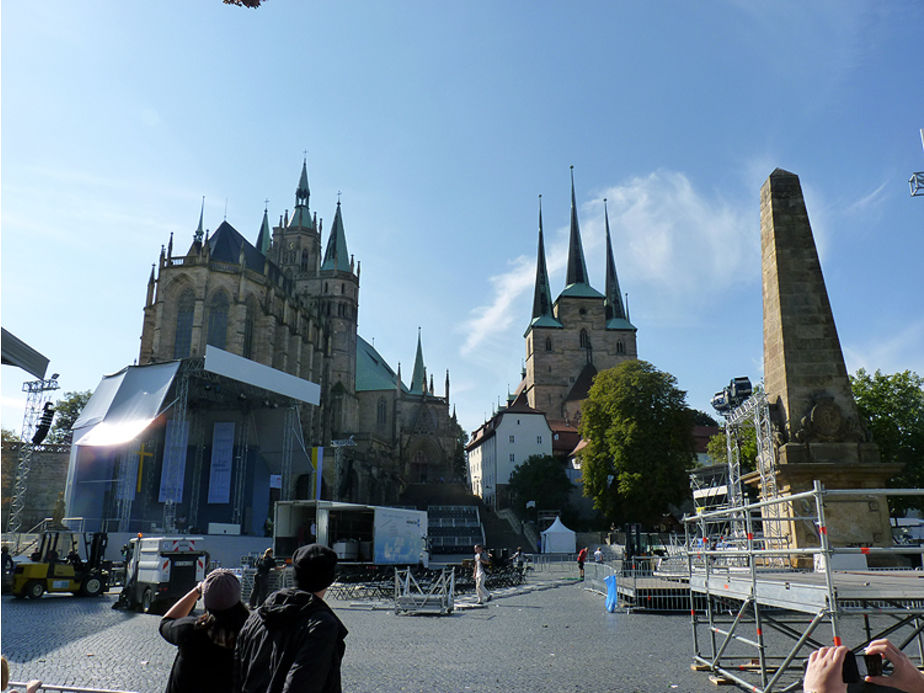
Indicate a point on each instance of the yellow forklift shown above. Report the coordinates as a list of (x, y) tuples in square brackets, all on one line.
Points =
[(56, 565)]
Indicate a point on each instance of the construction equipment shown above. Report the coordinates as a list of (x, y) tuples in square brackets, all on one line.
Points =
[(160, 570), (57, 566)]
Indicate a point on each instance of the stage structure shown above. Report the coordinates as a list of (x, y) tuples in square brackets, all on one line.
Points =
[(755, 623), (201, 444)]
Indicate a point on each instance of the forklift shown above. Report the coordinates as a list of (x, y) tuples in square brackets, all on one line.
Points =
[(56, 565)]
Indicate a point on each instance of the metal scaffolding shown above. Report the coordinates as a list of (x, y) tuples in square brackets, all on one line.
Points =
[(37, 395), (742, 579), (176, 445)]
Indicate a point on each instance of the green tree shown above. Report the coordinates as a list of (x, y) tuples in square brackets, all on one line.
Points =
[(893, 406), (701, 418), (540, 478), (747, 448), (8, 436), (638, 430), (67, 410)]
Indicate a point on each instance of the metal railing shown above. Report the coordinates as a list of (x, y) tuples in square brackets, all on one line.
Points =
[(791, 590)]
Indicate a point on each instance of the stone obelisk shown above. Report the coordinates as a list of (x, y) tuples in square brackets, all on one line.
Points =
[(819, 431)]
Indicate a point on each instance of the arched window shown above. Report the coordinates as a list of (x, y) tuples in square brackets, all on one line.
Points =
[(184, 320), (342, 288), (381, 412), (247, 347), (304, 263), (218, 320), (620, 347), (548, 344), (585, 340)]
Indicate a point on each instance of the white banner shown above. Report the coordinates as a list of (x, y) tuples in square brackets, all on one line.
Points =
[(174, 467), (220, 469)]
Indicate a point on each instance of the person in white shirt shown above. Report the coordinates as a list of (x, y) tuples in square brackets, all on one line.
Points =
[(480, 559)]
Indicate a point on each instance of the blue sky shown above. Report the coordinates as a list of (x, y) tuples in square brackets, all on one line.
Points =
[(441, 123)]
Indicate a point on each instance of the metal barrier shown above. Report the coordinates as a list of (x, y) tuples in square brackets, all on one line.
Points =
[(435, 595), (65, 689)]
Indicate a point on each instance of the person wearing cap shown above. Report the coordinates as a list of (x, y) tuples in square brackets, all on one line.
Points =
[(205, 644), (294, 641)]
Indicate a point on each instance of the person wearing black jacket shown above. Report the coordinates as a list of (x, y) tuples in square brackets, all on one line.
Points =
[(294, 641), (261, 579)]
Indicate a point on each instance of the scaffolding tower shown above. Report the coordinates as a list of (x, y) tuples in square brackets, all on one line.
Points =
[(37, 395)]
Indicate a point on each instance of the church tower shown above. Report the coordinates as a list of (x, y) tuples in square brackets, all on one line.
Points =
[(296, 245), (339, 303), (582, 333)]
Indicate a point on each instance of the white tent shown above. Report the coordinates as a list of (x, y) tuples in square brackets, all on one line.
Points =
[(558, 538)]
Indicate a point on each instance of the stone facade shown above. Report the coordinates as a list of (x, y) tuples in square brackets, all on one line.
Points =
[(283, 303)]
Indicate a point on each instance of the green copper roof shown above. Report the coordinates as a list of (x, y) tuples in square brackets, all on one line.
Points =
[(372, 372), (419, 378), (302, 192), (263, 238), (336, 257), (577, 268), (580, 291), (543, 315), (613, 302), (620, 324)]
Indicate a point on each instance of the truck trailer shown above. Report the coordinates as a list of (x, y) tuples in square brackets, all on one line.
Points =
[(369, 534)]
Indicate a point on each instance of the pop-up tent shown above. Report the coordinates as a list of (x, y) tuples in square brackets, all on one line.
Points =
[(558, 538)]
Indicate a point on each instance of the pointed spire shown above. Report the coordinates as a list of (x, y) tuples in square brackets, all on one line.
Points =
[(302, 192), (616, 315), (197, 236), (336, 257), (543, 315), (263, 238), (576, 280), (398, 380), (301, 216), (419, 377)]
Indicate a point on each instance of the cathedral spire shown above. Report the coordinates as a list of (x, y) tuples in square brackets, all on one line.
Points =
[(263, 238), (617, 316), (336, 257), (301, 216), (576, 280), (198, 235), (419, 377), (542, 295), (302, 192)]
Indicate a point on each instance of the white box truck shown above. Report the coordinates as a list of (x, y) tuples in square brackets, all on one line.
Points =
[(368, 534)]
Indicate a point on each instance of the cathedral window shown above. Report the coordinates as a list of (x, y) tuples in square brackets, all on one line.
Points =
[(513, 439), (342, 288), (548, 344), (585, 340), (218, 320), (538, 440), (382, 412), (304, 263), (184, 320), (620, 347), (513, 458)]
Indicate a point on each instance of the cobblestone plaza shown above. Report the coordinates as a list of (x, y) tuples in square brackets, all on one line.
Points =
[(558, 639)]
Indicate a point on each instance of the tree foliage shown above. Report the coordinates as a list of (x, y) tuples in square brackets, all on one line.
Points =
[(541, 478), (701, 418), (747, 448), (893, 406), (638, 430), (67, 410), (8, 436)]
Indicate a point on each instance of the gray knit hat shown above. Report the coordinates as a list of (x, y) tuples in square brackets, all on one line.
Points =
[(221, 590)]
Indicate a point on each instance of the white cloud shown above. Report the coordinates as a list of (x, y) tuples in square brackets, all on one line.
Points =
[(869, 200), (674, 245)]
